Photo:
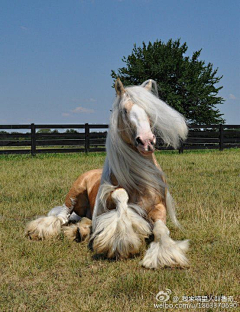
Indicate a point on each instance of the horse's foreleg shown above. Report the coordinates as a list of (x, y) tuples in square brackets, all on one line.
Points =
[(164, 251)]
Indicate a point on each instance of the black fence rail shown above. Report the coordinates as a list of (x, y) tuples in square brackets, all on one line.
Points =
[(212, 137), (52, 138), (33, 139)]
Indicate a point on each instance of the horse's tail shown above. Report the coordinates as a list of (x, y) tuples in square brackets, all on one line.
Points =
[(171, 209), (118, 233), (49, 226)]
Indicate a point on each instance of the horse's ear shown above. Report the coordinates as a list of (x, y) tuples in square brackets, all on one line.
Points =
[(148, 85), (151, 86), (119, 87)]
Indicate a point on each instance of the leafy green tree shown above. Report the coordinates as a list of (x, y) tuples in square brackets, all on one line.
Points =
[(47, 130), (44, 130), (71, 131), (185, 83)]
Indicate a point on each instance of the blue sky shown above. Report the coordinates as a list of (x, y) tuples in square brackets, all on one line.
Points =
[(56, 56)]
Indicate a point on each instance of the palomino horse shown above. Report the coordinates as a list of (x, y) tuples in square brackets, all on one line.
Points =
[(127, 200)]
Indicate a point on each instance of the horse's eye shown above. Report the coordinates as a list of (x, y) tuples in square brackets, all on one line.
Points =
[(125, 111)]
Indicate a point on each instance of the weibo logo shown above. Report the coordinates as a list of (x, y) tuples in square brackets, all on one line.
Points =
[(163, 296)]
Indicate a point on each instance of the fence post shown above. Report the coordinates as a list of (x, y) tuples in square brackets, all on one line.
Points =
[(86, 138), (33, 139), (181, 148), (221, 138)]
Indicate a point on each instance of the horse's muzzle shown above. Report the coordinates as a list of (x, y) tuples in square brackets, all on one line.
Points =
[(146, 146)]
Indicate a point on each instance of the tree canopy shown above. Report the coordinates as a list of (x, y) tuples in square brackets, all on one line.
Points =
[(185, 83)]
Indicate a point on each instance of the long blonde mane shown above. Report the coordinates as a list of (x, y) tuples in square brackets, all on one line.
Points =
[(133, 171)]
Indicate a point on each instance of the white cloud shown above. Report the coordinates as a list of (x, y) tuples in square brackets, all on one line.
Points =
[(92, 100), (232, 96), (78, 110), (23, 28), (81, 109), (65, 114)]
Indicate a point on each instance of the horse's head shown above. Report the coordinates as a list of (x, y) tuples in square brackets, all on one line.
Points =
[(138, 114), (133, 122)]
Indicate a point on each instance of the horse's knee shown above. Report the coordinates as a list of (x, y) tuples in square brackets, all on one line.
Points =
[(120, 195), (158, 212)]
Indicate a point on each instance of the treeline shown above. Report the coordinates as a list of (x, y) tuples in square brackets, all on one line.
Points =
[(48, 131)]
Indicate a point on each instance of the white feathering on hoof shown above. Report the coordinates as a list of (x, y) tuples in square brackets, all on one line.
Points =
[(164, 251), (80, 231), (48, 227), (119, 232)]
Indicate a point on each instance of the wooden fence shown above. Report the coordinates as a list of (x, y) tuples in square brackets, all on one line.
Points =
[(66, 138), (212, 137)]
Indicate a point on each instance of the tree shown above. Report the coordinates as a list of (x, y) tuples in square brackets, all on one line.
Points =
[(187, 84), (44, 130), (71, 131), (47, 131)]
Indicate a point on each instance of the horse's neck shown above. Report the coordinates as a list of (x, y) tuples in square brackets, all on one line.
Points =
[(151, 158)]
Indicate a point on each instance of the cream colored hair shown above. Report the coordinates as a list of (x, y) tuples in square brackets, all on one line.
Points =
[(132, 170)]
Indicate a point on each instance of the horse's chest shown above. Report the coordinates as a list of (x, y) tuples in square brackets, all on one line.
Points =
[(146, 201)]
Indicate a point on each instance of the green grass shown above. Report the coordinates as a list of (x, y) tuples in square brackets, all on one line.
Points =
[(62, 276)]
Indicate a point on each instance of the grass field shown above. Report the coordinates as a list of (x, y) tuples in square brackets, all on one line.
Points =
[(62, 276)]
